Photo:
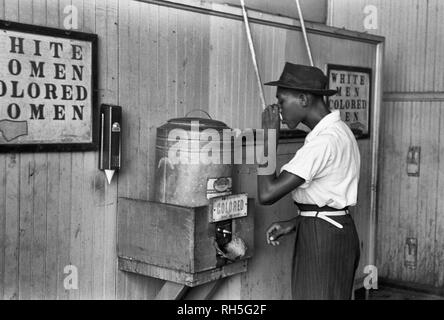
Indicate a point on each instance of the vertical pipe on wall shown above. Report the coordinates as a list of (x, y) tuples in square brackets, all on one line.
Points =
[(253, 54), (304, 32), (377, 96)]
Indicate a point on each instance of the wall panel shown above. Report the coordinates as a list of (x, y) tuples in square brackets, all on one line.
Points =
[(412, 116), (409, 206)]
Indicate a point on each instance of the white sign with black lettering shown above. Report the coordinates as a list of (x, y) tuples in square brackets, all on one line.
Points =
[(353, 85), (45, 89), (229, 207)]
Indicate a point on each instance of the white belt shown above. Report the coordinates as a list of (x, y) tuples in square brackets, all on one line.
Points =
[(324, 215)]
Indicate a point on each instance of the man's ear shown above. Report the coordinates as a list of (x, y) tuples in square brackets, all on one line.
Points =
[(305, 100)]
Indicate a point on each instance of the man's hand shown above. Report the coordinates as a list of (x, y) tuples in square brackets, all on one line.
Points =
[(271, 121), (270, 117), (277, 230)]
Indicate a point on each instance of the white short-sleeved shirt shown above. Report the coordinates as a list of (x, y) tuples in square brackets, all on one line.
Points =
[(329, 162)]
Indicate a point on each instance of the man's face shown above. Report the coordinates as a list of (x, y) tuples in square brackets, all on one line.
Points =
[(291, 106)]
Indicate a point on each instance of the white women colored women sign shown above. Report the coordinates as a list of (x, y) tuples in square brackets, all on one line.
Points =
[(47, 88)]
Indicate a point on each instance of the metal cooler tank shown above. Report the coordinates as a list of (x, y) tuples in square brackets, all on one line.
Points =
[(187, 173)]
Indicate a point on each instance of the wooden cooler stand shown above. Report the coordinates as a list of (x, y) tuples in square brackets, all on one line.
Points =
[(176, 244)]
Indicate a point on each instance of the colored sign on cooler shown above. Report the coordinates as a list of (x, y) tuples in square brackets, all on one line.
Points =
[(229, 207)]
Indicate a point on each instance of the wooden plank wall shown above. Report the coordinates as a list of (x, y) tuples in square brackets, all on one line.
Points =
[(412, 115), (56, 209)]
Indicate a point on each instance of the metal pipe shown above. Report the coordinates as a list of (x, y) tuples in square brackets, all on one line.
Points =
[(253, 54), (304, 32), (377, 96)]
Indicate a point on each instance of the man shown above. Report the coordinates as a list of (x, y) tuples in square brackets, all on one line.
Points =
[(323, 180)]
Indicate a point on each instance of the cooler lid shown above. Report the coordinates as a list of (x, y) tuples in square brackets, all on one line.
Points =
[(203, 123)]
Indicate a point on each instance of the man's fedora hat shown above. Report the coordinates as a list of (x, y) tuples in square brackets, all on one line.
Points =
[(303, 78)]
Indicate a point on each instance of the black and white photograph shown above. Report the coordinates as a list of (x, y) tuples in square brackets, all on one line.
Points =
[(243, 152)]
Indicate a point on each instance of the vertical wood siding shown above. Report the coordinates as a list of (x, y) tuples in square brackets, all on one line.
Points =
[(414, 34), (408, 206), (56, 209)]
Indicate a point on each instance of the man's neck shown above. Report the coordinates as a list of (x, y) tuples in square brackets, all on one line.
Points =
[(313, 118)]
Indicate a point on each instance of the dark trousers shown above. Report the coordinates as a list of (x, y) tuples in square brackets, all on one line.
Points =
[(325, 259)]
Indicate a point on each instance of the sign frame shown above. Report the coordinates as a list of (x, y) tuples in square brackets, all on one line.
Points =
[(367, 71), (66, 34)]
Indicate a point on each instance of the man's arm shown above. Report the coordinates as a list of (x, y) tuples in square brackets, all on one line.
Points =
[(272, 188)]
